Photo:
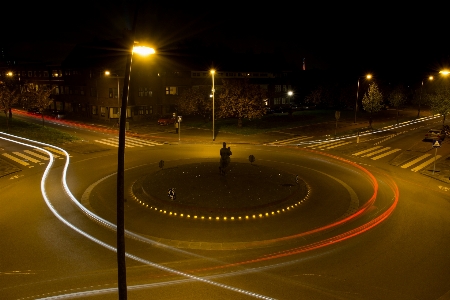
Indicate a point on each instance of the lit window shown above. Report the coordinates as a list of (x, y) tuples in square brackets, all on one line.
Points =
[(171, 90)]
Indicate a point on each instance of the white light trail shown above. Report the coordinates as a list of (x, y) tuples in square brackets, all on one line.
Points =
[(101, 243)]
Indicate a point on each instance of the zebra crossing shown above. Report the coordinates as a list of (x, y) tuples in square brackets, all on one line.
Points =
[(378, 152), (373, 153), (130, 142), (30, 158), (291, 141)]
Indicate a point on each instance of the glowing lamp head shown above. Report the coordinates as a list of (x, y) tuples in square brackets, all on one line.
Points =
[(444, 72), (369, 76), (107, 73), (9, 73), (142, 50), (290, 93), (213, 72)]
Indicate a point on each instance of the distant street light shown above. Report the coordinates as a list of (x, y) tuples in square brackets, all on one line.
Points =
[(213, 92), (121, 266), (108, 73), (290, 94), (368, 76), (420, 96), (444, 72)]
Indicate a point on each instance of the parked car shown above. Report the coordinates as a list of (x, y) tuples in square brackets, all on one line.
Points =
[(166, 120), (435, 134)]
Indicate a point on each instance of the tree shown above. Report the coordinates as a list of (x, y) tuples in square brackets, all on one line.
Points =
[(195, 102), (372, 101), (323, 95), (8, 97), (40, 98), (239, 99), (396, 98), (439, 101)]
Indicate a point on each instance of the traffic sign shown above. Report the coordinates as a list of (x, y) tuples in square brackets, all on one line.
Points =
[(437, 143)]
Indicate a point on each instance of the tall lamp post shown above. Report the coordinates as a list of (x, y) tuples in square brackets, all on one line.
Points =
[(213, 92), (368, 76), (121, 267), (420, 96), (108, 73)]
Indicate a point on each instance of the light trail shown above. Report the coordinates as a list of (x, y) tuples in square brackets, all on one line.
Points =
[(105, 245), (333, 240)]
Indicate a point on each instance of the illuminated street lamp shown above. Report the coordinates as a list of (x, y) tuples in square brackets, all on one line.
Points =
[(108, 73), (368, 76), (444, 72), (420, 96), (121, 266), (290, 94), (213, 92)]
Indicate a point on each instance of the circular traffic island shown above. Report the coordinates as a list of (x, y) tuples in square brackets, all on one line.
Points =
[(199, 191)]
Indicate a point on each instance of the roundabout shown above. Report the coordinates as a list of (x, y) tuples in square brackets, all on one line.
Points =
[(285, 199), (247, 190)]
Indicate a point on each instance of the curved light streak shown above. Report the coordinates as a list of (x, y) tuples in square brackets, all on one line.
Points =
[(341, 237), (364, 133), (107, 246)]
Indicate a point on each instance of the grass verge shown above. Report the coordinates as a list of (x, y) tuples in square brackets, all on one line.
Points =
[(36, 132)]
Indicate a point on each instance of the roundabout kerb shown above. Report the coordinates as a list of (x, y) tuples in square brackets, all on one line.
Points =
[(246, 191), (260, 201)]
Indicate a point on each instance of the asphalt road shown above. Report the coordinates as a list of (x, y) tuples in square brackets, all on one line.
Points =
[(395, 248)]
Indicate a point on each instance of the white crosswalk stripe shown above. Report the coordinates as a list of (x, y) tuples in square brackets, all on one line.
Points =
[(328, 145), (378, 152), (290, 141), (130, 142), (367, 150), (426, 163), (415, 161), (36, 155), (27, 157), (385, 154), (16, 159), (33, 160)]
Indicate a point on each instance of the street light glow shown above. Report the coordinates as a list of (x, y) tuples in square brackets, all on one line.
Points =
[(9, 73), (290, 93), (430, 78), (107, 73), (213, 71), (369, 76), (444, 72), (142, 50)]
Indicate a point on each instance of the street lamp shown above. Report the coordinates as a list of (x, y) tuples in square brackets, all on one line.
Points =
[(290, 94), (420, 96), (444, 72), (108, 73), (213, 92), (368, 76), (121, 266)]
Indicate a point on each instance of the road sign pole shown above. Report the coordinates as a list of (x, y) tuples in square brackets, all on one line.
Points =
[(434, 166)]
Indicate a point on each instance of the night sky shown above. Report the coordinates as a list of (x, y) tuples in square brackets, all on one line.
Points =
[(405, 43)]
